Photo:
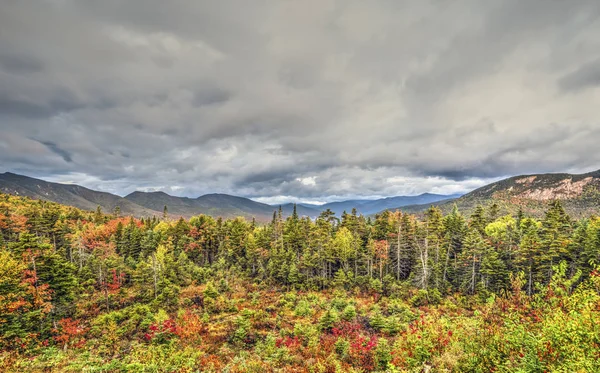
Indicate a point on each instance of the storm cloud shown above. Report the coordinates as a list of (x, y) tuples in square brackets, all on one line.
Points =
[(312, 100)]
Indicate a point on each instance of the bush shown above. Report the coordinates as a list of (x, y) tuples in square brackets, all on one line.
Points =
[(401, 310), (377, 321), (303, 309), (339, 303), (241, 333), (329, 318), (210, 291), (383, 353), (342, 347), (349, 313), (425, 297)]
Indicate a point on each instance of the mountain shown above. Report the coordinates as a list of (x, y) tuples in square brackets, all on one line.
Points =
[(396, 202), (579, 194), (223, 205), (369, 206), (69, 194), (143, 203), (341, 206), (301, 209)]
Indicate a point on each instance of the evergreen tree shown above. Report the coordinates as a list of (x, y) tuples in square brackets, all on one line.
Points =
[(555, 237)]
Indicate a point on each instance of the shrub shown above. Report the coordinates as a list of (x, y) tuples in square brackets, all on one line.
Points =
[(303, 309), (383, 353), (241, 334), (349, 313), (377, 321), (342, 348), (210, 291), (339, 303), (426, 297), (329, 318)]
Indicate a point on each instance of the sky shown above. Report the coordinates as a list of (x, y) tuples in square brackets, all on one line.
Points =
[(312, 100)]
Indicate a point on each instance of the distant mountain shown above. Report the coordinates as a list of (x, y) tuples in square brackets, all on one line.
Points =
[(396, 202), (301, 209), (223, 205), (369, 207), (341, 206), (69, 194), (215, 205), (579, 194), (144, 203)]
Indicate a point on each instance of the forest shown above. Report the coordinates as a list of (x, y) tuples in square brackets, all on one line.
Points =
[(96, 291)]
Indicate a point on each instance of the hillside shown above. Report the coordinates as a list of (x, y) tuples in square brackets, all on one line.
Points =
[(579, 194), (69, 194)]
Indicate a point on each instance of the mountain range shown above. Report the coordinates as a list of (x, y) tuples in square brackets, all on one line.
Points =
[(579, 193), (370, 207), (152, 203), (69, 194)]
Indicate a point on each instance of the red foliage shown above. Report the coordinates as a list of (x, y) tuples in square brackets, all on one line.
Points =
[(289, 342), (346, 329), (361, 351), (163, 331), (116, 281), (189, 327), (3, 223), (361, 343), (70, 332)]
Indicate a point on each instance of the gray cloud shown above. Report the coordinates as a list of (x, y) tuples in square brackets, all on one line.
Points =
[(56, 149), (585, 76), (19, 64), (313, 100)]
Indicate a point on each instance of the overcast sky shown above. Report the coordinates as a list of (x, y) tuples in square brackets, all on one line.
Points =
[(301, 100)]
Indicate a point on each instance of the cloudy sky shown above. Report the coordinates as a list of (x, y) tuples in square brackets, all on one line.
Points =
[(310, 100)]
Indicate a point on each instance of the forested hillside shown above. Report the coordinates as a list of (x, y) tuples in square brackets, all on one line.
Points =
[(579, 195), (69, 194), (484, 292)]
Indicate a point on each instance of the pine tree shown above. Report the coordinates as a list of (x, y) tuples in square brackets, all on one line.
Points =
[(293, 276), (555, 237), (474, 248), (98, 216), (455, 229), (478, 220)]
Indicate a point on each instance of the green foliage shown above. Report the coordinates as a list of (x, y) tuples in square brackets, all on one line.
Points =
[(88, 291), (383, 354), (210, 291), (303, 309), (349, 313), (342, 348), (329, 318), (241, 334), (426, 297), (376, 320)]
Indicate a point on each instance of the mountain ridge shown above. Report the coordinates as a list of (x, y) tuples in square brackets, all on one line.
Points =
[(372, 206), (531, 193), (68, 194)]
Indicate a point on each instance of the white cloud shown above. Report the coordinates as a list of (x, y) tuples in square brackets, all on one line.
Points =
[(308, 181)]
